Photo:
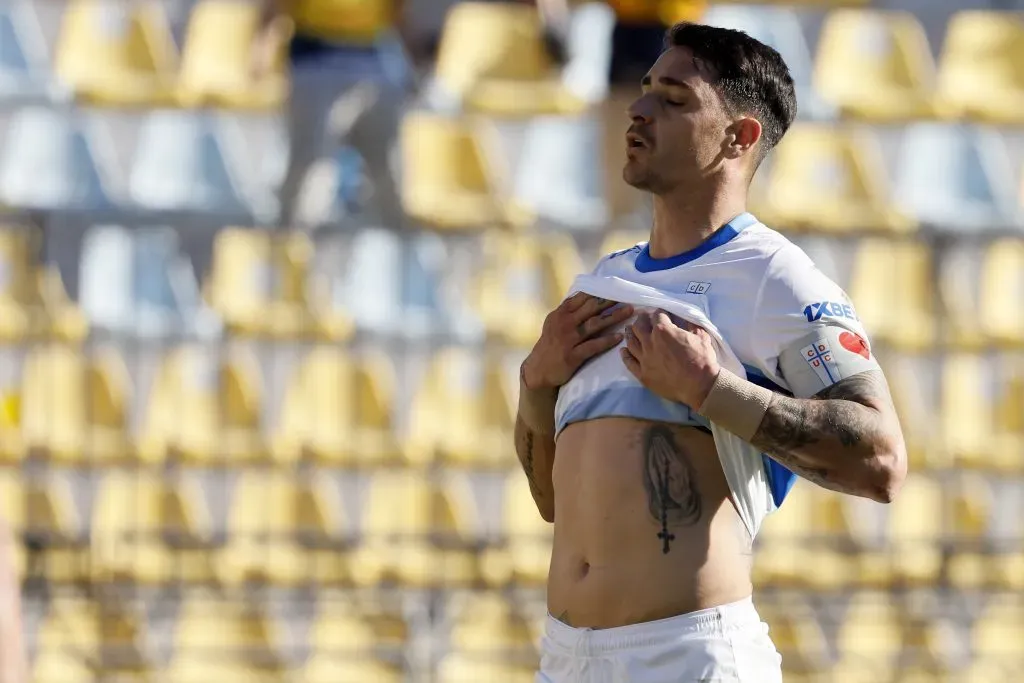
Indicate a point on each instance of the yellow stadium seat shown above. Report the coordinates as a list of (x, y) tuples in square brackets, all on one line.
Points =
[(110, 54), (1000, 314), (463, 412), (19, 304), (196, 669), (212, 629), (1009, 416), (487, 626), (915, 410), (446, 176), (216, 62), (71, 626), (63, 320), (108, 635), (959, 298), (353, 21), (416, 533), (829, 179), (981, 67), (258, 284), (995, 634), (284, 531), (328, 669), (915, 532), (461, 668), (45, 513), (74, 408), (797, 634), (151, 530), (493, 59), (337, 410), (204, 410), (891, 289), (969, 431), (343, 629), (62, 666), (969, 511), (526, 554), (521, 280), (871, 630), (875, 65), (919, 674)]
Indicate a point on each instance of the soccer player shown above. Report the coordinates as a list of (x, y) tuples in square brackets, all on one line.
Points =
[(628, 418)]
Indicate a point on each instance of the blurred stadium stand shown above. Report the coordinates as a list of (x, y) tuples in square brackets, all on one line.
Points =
[(241, 452)]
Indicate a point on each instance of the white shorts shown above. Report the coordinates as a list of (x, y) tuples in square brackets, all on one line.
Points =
[(727, 644)]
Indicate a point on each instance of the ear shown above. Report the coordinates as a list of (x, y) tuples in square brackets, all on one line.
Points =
[(741, 136)]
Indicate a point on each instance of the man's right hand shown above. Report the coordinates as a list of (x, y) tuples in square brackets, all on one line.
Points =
[(579, 329)]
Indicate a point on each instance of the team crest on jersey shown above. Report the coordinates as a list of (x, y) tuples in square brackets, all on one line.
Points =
[(819, 356), (698, 287)]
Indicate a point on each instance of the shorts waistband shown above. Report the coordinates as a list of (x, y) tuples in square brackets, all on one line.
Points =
[(711, 621)]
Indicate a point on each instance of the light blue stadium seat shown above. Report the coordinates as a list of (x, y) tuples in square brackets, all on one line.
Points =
[(560, 176), (48, 163), (180, 165), (589, 51), (137, 282), (956, 176), (779, 28), (24, 65)]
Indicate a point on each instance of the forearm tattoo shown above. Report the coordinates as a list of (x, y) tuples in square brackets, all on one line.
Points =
[(524, 449), (838, 413), (670, 482)]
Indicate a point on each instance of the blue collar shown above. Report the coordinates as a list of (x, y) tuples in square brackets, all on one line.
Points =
[(645, 263)]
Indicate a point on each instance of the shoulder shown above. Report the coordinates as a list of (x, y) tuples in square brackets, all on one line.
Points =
[(619, 258)]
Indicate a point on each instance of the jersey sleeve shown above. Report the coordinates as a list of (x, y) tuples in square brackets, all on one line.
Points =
[(805, 333)]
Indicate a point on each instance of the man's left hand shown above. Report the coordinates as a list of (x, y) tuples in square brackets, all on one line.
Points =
[(677, 362)]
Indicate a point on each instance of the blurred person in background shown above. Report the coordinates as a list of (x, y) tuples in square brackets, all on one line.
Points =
[(349, 78), (658, 462), (639, 30)]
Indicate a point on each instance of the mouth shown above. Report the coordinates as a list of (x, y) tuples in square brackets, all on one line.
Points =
[(634, 142)]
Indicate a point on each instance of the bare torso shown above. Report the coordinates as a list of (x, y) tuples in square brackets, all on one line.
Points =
[(615, 480)]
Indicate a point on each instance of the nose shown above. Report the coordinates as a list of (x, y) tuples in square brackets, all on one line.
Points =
[(639, 111)]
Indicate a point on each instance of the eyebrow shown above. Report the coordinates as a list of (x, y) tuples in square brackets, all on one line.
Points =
[(665, 80)]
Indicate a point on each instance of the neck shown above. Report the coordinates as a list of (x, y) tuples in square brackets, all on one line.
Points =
[(683, 218)]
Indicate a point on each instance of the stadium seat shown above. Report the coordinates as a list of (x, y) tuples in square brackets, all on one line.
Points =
[(492, 59), (1002, 276), (969, 430), (328, 669), (109, 54), (74, 409), (138, 282), (955, 177), (107, 636), (487, 626), (212, 628), (258, 282), (915, 531), (559, 179), (182, 164), (521, 278), (914, 406), (19, 302), (875, 65), (445, 176), (870, 634), (460, 668), (782, 551), (216, 62), (202, 669), (24, 63), (343, 628), (780, 28), (524, 556), (204, 410), (62, 666), (51, 162), (44, 515), (829, 179), (339, 412), (892, 291), (463, 412), (416, 533), (284, 532), (995, 633), (150, 530), (797, 634), (981, 67), (970, 511)]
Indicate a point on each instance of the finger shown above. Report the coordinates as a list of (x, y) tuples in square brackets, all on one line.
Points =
[(591, 307), (575, 301), (643, 323), (631, 363), (633, 342), (592, 347), (609, 318)]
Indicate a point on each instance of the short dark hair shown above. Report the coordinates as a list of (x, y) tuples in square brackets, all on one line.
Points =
[(751, 77)]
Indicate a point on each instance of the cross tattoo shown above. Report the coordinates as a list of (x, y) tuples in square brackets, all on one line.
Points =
[(664, 535)]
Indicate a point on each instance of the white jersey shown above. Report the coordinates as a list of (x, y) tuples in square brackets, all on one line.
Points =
[(770, 304)]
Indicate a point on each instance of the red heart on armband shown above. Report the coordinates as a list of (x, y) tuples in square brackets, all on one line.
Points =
[(855, 343)]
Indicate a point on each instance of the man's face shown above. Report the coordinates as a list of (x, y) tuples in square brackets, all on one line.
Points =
[(678, 125)]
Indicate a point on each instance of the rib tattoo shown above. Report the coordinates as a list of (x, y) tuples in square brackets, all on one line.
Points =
[(671, 485), (524, 449)]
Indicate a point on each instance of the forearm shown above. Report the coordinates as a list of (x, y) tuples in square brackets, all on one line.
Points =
[(535, 445), (846, 438)]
